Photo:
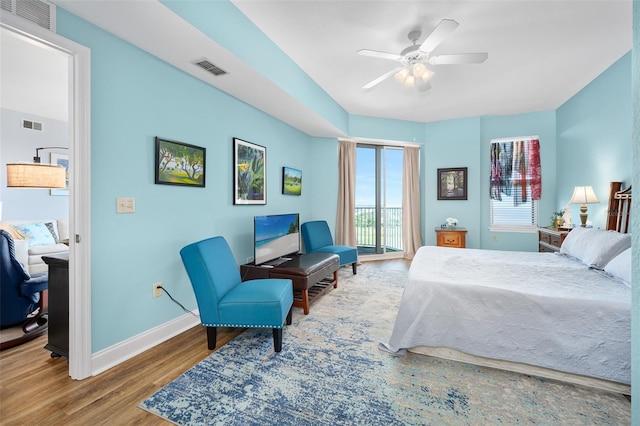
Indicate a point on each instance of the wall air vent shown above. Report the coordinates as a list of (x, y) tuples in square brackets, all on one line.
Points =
[(40, 12), (209, 67), (31, 125)]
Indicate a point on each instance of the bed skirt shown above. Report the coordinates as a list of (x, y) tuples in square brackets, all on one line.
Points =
[(517, 367)]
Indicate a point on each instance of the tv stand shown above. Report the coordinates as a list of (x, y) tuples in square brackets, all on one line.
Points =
[(308, 272)]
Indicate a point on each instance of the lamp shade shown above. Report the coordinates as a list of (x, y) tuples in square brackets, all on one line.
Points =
[(33, 175), (583, 195)]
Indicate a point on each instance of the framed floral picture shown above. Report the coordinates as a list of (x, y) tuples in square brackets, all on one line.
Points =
[(452, 184), (249, 173)]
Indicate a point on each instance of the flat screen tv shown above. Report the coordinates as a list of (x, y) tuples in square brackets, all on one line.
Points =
[(274, 237)]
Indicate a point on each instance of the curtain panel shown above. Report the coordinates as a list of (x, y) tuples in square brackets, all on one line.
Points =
[(411, 202), (345, 216)]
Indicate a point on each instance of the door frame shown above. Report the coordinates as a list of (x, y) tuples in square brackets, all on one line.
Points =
[(79, 183)]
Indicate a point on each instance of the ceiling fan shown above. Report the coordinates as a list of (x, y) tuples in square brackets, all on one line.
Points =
[(414, 58)]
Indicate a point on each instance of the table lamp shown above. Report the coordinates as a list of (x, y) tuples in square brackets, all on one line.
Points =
[(583, 195)]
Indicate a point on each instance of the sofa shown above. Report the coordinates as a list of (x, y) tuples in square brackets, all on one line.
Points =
[(36, 238)]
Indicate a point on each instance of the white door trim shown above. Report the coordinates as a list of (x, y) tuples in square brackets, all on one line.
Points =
[(80, 187)]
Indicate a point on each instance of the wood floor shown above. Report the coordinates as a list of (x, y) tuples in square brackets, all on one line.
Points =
[(35, 388)]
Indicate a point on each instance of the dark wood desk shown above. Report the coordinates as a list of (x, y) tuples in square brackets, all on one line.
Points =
[(58, 304)]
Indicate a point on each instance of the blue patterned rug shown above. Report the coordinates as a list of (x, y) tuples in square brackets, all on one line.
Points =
[(330, 372)]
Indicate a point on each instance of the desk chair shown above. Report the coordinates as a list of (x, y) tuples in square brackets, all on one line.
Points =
[(22, 297)]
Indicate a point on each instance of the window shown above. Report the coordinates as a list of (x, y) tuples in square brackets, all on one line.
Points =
[(515, 184)]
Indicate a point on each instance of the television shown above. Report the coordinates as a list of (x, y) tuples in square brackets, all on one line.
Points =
[(275, 237)]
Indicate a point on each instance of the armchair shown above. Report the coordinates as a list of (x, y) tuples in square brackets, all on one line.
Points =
[(317, 237), (23, 298), (225, 301)]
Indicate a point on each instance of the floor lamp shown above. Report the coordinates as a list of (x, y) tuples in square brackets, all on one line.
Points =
[(583, 195)]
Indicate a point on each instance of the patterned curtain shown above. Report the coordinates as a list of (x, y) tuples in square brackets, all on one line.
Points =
[(516, 170)]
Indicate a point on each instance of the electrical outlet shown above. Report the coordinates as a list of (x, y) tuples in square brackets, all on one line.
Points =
[(157, 290)]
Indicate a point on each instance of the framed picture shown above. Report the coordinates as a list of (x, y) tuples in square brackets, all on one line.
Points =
[(452, 184), (61, 160), (179, 163), (291, 181), (249, 173)]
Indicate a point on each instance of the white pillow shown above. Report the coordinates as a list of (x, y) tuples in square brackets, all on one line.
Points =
[(620, 266), (595, 247)]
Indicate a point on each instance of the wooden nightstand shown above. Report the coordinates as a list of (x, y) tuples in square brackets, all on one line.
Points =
[(451, 237), (550, 240)]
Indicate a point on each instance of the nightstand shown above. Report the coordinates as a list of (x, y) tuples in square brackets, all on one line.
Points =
[(550, 240), (451, 237)]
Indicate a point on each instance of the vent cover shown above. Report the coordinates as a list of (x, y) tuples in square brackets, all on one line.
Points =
[(32, 125), (39, 12), (209, 67)]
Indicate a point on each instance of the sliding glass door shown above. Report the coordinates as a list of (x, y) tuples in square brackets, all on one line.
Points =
[(378, 213)]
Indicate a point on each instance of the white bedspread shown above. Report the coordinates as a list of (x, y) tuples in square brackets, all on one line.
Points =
[(536, 308)]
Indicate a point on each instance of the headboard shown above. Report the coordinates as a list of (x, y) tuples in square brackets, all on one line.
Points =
[(619, 208)]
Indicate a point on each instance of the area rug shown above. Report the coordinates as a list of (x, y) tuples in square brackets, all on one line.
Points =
[(331, 372)]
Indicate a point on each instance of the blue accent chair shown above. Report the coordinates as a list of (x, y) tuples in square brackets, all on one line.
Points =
[(225, 301), (22, 297), (317, 237)]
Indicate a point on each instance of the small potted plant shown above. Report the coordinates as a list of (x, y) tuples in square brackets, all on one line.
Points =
[(557, 219)]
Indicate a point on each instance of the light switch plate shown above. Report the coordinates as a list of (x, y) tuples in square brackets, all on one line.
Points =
[(125, 205)]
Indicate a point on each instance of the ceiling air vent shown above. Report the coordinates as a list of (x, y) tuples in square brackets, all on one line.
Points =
[(40, 12), (209, 67), (31, 125)]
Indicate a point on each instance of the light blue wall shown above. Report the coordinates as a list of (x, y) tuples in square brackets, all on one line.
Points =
[(594, 139), (452, 143), (542, 124), (635, 225), (222, 21), (135, 97)]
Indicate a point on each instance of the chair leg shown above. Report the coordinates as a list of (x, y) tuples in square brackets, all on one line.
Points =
[(277, 339), (290, 315), (353, 266), (211, 338)]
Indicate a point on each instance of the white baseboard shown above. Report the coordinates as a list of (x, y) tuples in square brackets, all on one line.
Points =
[(127, 349)]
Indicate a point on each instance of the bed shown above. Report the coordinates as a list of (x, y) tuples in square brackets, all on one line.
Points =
[(566, 315)]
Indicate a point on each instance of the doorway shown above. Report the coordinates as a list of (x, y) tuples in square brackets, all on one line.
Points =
[(79, 141), (378, 212)]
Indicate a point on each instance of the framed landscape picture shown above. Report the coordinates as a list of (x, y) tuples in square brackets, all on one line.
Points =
[(249, 173), (179, 163), (291, 181), (452, 184)]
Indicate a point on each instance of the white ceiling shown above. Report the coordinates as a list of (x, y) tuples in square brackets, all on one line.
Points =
[(34, 78), (540, 52)]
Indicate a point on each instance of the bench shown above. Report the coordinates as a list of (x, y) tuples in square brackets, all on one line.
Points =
[(308, 272)]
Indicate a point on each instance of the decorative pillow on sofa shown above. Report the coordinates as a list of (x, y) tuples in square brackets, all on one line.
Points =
[(620, 267), (594, 247), (37, 233)]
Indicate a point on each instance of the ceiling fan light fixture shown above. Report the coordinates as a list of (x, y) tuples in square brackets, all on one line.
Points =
[(401, 75), (409, 81), (427, 74), (419, 69)]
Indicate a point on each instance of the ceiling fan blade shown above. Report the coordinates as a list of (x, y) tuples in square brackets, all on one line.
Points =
[(377, 54), (462, 58), (444, 28), (380, 79)]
